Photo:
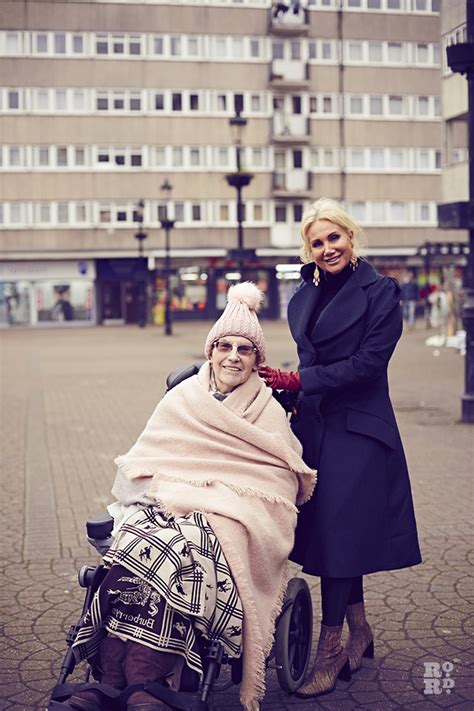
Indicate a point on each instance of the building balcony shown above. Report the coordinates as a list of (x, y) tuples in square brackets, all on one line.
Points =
[(292, 184), (289, 74), (292, 23), (290, 129)]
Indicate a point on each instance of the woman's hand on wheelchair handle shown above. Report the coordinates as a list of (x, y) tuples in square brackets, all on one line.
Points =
[(278, 379)]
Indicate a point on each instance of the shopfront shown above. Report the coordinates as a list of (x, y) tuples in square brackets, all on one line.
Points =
[(47, 293)]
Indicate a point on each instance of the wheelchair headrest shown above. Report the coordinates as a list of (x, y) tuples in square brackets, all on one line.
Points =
[(180, 374)]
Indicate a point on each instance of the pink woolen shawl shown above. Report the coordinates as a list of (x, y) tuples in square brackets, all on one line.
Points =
[(238, 462)]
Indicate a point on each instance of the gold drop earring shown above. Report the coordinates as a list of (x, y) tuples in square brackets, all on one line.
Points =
[(316, 275), (354, 262)]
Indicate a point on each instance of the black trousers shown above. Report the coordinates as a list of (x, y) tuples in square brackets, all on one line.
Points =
[(336, 595)]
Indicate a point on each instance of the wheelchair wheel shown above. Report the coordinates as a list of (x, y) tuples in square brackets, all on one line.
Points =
[(293, 636)]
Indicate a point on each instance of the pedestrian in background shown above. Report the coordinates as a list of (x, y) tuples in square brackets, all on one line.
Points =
[(410, 295), (346, 321)]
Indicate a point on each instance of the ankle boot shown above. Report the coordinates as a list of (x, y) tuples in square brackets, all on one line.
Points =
[(146, 664), (330, 664), (361, 640), (112, 656)]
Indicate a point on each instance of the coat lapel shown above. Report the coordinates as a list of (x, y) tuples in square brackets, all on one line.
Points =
[(347, 307)]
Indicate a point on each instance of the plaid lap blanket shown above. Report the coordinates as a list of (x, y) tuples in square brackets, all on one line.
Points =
[(168, 582)]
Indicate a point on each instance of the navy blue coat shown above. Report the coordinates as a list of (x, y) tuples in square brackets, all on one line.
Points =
[(360, 518)]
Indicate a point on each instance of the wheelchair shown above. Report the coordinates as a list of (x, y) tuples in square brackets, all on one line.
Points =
[(289, 656)]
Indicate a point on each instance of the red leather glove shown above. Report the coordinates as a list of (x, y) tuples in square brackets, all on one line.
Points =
[(278, 379)]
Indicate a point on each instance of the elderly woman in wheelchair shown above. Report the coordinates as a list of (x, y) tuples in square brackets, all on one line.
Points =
[(204, 523)]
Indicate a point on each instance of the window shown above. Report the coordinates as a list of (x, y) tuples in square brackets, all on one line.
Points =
[(280, 213), (238, 103), (194, 102), (104, 213), (79, 157), (377, 210), (327, 104), (255, 102), (356, 158), (175, 46), (254, 47), (297, 158), (160, 155), (135, 101), (422, 56), (119, 156), (195, 156), (102, 102), (423, 159), (295, 49), (355, 51), (44, 212), (63, 213), (43, 156), (179, 211), (277, 50), (60, 100), (61, 156), (421, 5), (221, 47), (13, 99), (315, 158), (119, 100), (223, 212), (221, 102), (59, 43), (326, 50), (193, 46), (176, 101), (12, 43), (355, 105), (374, 4), (258, 212), (196, 212), (118, 44), (358, 211), (377, 159), (136, 158), (395, 105), (135, 45), (77, 44), (177, 156), (397, 158), (14, 157), (296, 104), (101, 44), (353, 3), (297, 213), (312, 50), (376, 105), (41, 43), (80, 212), (237, 47), (159, 102), (393, 4), (328, 156), (103, 155), (375, 52), (223, 157), (158, 45), (424, 212), (398, 211), (394, 52), (313, 104), (16, 213), (257, 157), (438, 160), (423, 106)]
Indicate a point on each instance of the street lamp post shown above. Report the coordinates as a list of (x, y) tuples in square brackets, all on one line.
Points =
[(238, 180), (461, 215), (140, 236), (167, 224)]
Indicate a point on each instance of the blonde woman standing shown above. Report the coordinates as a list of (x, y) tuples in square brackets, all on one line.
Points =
[(346, 321)]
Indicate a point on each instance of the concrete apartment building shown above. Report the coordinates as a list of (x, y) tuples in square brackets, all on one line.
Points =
[(102, 101)]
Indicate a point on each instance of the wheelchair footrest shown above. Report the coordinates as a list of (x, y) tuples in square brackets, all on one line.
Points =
[(175, 699), (61, 692)]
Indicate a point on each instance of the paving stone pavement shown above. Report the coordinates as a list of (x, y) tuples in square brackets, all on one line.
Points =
[(73, 399)]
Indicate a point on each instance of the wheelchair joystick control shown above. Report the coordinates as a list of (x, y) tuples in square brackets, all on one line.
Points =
[(100, 527)]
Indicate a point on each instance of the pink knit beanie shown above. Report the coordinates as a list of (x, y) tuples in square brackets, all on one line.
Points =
[(240, 318)]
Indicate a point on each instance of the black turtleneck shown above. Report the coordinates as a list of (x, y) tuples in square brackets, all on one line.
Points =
[(330, 284)]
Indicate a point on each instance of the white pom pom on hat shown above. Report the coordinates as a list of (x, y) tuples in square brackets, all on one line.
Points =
[(240, 318)]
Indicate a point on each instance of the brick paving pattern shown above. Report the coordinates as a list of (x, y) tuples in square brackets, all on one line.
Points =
[(73, 399)]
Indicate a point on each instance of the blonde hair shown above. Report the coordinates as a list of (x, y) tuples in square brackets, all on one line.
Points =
[(328, 209)]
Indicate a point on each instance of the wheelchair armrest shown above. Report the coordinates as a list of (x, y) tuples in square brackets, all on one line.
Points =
[(180, 374), (99, 527)]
